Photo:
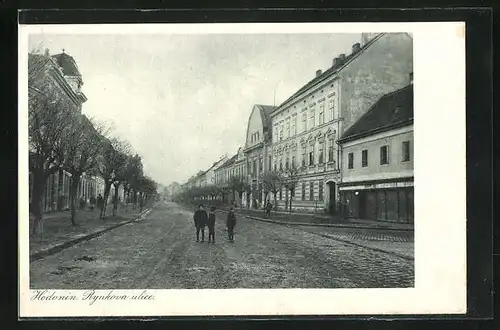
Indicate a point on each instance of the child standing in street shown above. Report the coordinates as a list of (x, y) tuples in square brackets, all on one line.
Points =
[(211, 225), (230, 223)]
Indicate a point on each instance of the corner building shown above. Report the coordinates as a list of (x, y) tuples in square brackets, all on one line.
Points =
[(306, 127)]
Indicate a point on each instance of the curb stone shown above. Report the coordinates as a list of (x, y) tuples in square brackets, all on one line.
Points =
[(323, 224), (81, 238)]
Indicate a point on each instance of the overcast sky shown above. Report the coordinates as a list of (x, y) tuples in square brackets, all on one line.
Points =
[(183, 101)]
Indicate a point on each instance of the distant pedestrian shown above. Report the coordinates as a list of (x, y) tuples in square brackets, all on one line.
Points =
[(269, 207), (100, 203), (200, 220), (230, 223), (211, 225), (92, 202), (82, 202)]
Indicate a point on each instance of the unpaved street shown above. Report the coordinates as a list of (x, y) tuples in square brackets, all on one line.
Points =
[(160, 252)]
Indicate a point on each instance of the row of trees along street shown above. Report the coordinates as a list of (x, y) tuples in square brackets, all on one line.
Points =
[(60, 137), (272, 183)]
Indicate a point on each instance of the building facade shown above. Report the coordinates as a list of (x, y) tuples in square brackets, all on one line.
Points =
[(307, 126), (233, 167), (61, 75), (377, 156)]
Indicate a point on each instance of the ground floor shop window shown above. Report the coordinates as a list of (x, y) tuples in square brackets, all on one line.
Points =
[(381, 204)]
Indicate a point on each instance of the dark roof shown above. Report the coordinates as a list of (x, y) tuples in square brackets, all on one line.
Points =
[(230, 161), (332, 69), (265, 112), (67, 64), (390, 110)]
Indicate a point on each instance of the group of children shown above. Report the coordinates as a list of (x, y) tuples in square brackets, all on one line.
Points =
[(201, 219)]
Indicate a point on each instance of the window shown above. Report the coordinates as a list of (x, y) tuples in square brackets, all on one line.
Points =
[(311, 155), (287, 128), (281, 194), (384, 155), (406, 151), (331, 109), (281, 131), (364, 158), (350, 161), (304, 156), (311, 191), (320, 156), (304, 122), (287, 157), (293, 161), (303, 191), (321, 114), (312, 118), (275, 133), (294, 125), (254, 170), (320, 190), (330, 148), (270, 164), (261, 165)]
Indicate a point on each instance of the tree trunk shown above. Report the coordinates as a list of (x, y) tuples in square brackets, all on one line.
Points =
[(240, 195), (73, 198), (107, 187), (115, 199), (39, 183), (290, 208), (275, 201)]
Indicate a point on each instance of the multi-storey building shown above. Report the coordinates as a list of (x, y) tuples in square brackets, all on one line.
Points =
[(61, 75), (258, 140), (306, 127), (377, 161), (233, 167)]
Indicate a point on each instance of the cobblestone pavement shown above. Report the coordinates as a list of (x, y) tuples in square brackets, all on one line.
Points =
[(400, 243), (160, 252)]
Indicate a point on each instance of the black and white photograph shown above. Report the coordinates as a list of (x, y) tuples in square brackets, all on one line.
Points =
[(205, 162)]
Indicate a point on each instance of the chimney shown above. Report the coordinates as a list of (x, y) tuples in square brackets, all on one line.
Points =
[(356, 47), (47, 52), (318, 73), (341, 58), (335, 61), (411, 78)]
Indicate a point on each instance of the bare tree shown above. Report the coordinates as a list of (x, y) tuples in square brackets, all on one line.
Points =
[(290, 179), (112, 160), (238, 184), (48, 115), (273, 182), (79, 151)]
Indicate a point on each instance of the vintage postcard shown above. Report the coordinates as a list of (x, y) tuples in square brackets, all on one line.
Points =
[(242, 169)]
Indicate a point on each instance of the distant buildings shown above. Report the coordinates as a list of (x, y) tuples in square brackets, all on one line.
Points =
[(339, 113)]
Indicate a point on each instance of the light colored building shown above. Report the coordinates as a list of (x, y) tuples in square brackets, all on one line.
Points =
[(210, 173), (233, 167), (61, 74), (377, 161), (306, 127), (258, 140)]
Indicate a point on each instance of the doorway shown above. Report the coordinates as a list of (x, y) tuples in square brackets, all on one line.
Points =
[(332, 200)]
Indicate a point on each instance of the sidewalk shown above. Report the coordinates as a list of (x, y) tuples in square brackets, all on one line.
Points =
[(321, 220), (58, 233)]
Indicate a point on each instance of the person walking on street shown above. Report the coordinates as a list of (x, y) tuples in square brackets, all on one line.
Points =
[(230, 223), (269, 207), (211, 225), (92, 202), (100, 204), (200, 220)]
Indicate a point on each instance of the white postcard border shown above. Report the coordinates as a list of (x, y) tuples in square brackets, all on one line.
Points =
[(440, 199)]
